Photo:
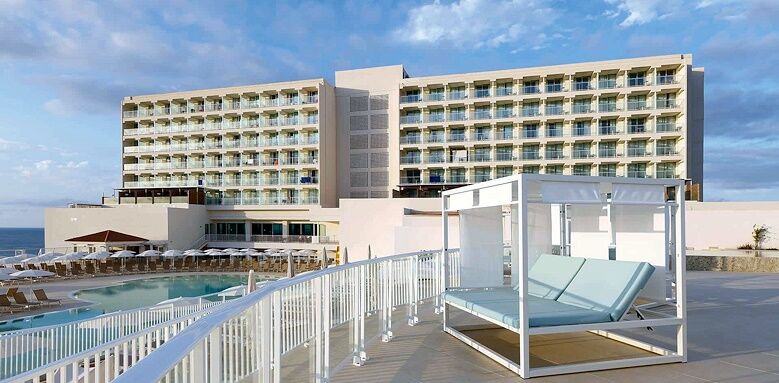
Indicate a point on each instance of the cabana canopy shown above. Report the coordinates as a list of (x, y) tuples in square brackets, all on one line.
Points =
[(583, 249)]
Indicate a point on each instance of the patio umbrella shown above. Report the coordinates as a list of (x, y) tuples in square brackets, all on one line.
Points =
[(173, 254), (6, 277), (98, 255), (123, 254), (216, 253), (369, 252), (75, 256), (40, 258), (193, 251), (32, 274), (346, 255), (230, 250), (12, 260), (290, 266), (251, 284), (52, 254), (324, 258), (149, 253), (7, 270)]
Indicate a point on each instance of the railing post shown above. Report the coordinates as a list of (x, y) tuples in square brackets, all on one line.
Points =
[(215, 356), (359, 315), (386, 318), (276, 336), (264, 340), (413, 307)]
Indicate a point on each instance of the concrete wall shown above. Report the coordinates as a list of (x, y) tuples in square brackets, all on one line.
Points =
[(180, 225), (382, 224), (726, 225)]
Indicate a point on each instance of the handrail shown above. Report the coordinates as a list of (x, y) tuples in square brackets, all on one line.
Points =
[(364, 286), (94, 354)]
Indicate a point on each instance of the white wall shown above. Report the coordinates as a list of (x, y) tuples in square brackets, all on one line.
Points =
[(726, 225), (382, 224)]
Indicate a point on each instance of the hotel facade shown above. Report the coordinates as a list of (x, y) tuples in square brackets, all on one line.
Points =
[(272, 165)]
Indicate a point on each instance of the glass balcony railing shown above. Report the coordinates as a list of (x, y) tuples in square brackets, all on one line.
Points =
[(637, 105), (665, 174), (577, 108), (607, 130), (637, 152), (436, 159), (530, 112), (456, 137), (410, 98), (504, 91), (505, 135), (482, 115), (458, 95), (554, 154), (411, 139), (504, 113), (666, 103), (607, 84), (637, 81), (530, 133), (457, 117), (581, 153), (416, 159), (637, 174), (457, 179), (410, 179), (436, 117), (530, 156), (531, 89), (504, 156), (481, 177), (554, 110), (637, 129), (481, 93), (607, 153), (554, 132), (578, 86), (581, 131), (665, 151), (411, 119), (667, 127), (482, 136), (554, 88), (607, 107), (665, 79), (482, 157), (433, 138)]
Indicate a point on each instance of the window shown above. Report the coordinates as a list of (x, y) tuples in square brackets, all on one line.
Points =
[(436, 176), (303, 229), (666, 147), (637, 102), (582, 170), (530, 131), (505, 132), (666, 170), (637, 148), (436, 115), (531, 169), (636, 125), (267, 228), (529, 87), (482, 174), (554, 169), (504, 171), (530, 152), (505, 89), (554, 151), (607, 170), (581, 128), (581, 83), (581, 106), (530, 109), (636, 79), (607, 104), (504, 153), (607, 81), (436, 94), (666, 101), (607, 149), (666, 124), (665, 77), (607, 127), (554, 85), (482, 113), (637, 170), (581, 150), (554, 129), (411, 176), (554, 108), (482, 91)]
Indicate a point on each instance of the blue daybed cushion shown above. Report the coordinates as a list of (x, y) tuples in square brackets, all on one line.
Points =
[(551, 274), (607, 286), (502, 305)]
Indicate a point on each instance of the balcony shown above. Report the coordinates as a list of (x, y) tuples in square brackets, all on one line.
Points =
[(554, 132), (457, 179), (482, 136), (250, 104), (411, 119), (531, 89), (130, 113), (554, 88), (607, 153), (213, 107), (637, 174), (410, 159), (481, 177), (410, 139), (504, 156), (531, 156), (665, 79), (435, 138), (458, 95), (666, 151), (581, 153), (637, 129), (482, 157), (554, 110), (481, 115), (436, 117), (667, 127), (530, 133), (607, 84), (289, 101), (311, 99), (436, 96), (578, 109), (638, 152), (637, 105), (456, 137), (410, 98), (666, 103), (581, 131), (504, 113), (436, 159), (481, 93), (666, 174), (504, 91), (550, 155), (637, 81), (609, 130), (505, 135), (410, 180), (607, 107), (530, 112), (459, 116), (582, 85)]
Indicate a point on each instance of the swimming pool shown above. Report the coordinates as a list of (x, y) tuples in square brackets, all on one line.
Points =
[(130, 295)]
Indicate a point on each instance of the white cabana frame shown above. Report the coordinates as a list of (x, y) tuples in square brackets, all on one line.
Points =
[(521, 192)]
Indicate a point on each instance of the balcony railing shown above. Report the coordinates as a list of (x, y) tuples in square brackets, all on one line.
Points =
[(665, 79), (482, 136), (637, 105), (504, 113), (550, 155), (458, 95), (481, 115), (481, 93), (581, 153), (666, 103), (504, 91), (530, 112), (411, 119), (411, 139), (607, 107), (637, 81), (410, 98), (638, 152), (607, 153), (416, 159), (666, 127), (459, 116), (554, 110), (530, 133), (456, 137), (433, 138), (410, 180), (531, 89), (504, 156), (607, 84), (531, 156), (554, 88), (578, 108), (637, 129), (666, 151), (581, 131)]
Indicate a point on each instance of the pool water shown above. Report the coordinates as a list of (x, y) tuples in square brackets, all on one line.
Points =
[(131, 295)]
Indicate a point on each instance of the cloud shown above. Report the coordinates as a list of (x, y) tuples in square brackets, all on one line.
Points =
[(43, 164), (737, 168), (640, 12), (74, 165), (478, 23)]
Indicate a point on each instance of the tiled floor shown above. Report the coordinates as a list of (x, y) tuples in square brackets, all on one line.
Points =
[(733, 337)]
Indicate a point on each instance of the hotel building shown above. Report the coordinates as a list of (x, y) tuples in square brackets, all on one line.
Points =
[(271, 162)]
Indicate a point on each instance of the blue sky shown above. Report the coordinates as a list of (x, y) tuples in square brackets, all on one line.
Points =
[(64, 66)]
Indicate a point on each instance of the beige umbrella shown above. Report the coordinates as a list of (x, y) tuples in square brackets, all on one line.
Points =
[(251, 285)]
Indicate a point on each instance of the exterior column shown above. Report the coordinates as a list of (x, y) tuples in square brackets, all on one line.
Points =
[(248, 230)]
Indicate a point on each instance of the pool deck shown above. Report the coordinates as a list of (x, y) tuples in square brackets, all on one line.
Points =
[(64, 288), (733, 337)]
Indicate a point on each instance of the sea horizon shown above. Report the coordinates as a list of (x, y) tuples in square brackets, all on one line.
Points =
[(30, 239)]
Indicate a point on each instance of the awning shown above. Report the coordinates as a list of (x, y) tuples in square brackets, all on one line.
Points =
[(107, 236)]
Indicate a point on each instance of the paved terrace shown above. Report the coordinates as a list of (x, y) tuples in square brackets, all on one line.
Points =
[(733, 337)]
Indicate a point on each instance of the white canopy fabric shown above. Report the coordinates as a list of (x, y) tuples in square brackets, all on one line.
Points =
[(75, 256), (7, 270), (12, 260), (98, 255), (566, 192), (632, 194), (6, 277), (32, 274), (40, 258)]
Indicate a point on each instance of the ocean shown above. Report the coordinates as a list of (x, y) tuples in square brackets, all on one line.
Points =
[(30, 239)]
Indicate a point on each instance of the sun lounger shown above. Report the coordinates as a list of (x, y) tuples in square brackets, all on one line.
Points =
[(21, 299), (40, 296), (9, 306), (11, 291), (153, 267), (89, 266), (141, 266), (116, 267), (561, 291)]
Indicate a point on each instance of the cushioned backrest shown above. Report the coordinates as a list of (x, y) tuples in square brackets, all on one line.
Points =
[(550, 275), (608, 286)]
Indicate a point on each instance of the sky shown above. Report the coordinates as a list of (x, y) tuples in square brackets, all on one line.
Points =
[(65, 65)]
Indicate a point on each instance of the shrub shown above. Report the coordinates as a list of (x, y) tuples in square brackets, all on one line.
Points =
[(746, 246)]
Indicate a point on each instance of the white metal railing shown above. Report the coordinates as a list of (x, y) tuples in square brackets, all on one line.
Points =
[(64, 350), (245, 339)]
